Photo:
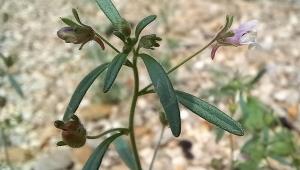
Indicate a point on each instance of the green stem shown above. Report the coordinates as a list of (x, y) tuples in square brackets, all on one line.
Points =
[(7, 159), (157, 147), (108, 43), (145, 90), (127, 63), (132, 110), (231, 151), (107, 132)]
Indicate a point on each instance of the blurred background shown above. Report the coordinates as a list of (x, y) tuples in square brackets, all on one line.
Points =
[(259, 87)]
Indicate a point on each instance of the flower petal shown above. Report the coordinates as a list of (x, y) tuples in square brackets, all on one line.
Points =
[(244, 34), (246, 27), (248, 38)]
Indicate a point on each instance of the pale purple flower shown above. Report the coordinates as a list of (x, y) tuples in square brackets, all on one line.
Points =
[(243, 35)]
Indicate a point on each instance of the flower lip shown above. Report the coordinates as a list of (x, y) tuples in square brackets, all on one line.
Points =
[(244, 34)]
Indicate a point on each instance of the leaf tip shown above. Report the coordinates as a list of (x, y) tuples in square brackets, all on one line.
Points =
[(239, 131), (176, 131)]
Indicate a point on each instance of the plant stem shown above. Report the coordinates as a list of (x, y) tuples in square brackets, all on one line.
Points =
[(157, 147), (127, 63), (144, 90), (231, 151), (7, 159), (132, 110), (108, 43), (107, 132)]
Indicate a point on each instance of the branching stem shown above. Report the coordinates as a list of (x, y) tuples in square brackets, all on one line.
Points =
[(125, 130), (146, 91), (132, 110)]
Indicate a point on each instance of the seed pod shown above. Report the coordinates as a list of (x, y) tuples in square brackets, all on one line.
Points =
[(73, 132)]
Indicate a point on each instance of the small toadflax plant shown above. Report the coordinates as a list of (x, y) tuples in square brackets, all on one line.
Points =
[(135, 48)]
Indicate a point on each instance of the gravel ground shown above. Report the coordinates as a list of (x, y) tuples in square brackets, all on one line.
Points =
[(49, 70)]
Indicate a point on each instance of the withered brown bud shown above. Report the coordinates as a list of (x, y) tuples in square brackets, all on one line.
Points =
[(73, 132), (76, 35)]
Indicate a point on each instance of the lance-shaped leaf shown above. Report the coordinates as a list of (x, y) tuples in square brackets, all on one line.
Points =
[(81, 90), (143, 23), (75, 13), (94, 161), (125, 152), (113, 70), (15, 85), (210, 113), (164, 89), (70, 22), (110, 11)]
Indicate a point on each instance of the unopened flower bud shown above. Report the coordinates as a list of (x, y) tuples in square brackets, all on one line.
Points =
[(149, 41), (123, 28), (73, 132)]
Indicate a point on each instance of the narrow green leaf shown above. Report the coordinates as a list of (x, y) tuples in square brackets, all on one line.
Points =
[(94, 161), (125, 152), (210, 113), (113, 70), (70, 22), (75, 13), (81, 89), (143, 23), (110, 11), (164, 89), (15, 85)]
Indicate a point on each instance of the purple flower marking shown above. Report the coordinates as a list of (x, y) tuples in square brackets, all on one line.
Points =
[(243, 35)]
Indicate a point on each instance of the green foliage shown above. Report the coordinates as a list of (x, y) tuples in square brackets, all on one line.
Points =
[(81, 90), (15, 85), (281, 144), (210, 113), (94, 161), (110, 11), (142, 24), (125, 152), (113, 70), (268, 138), (254, 149), (9, 62), (70, 22), (256, 115), (75, 13), (165, 91), (160, 80)]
